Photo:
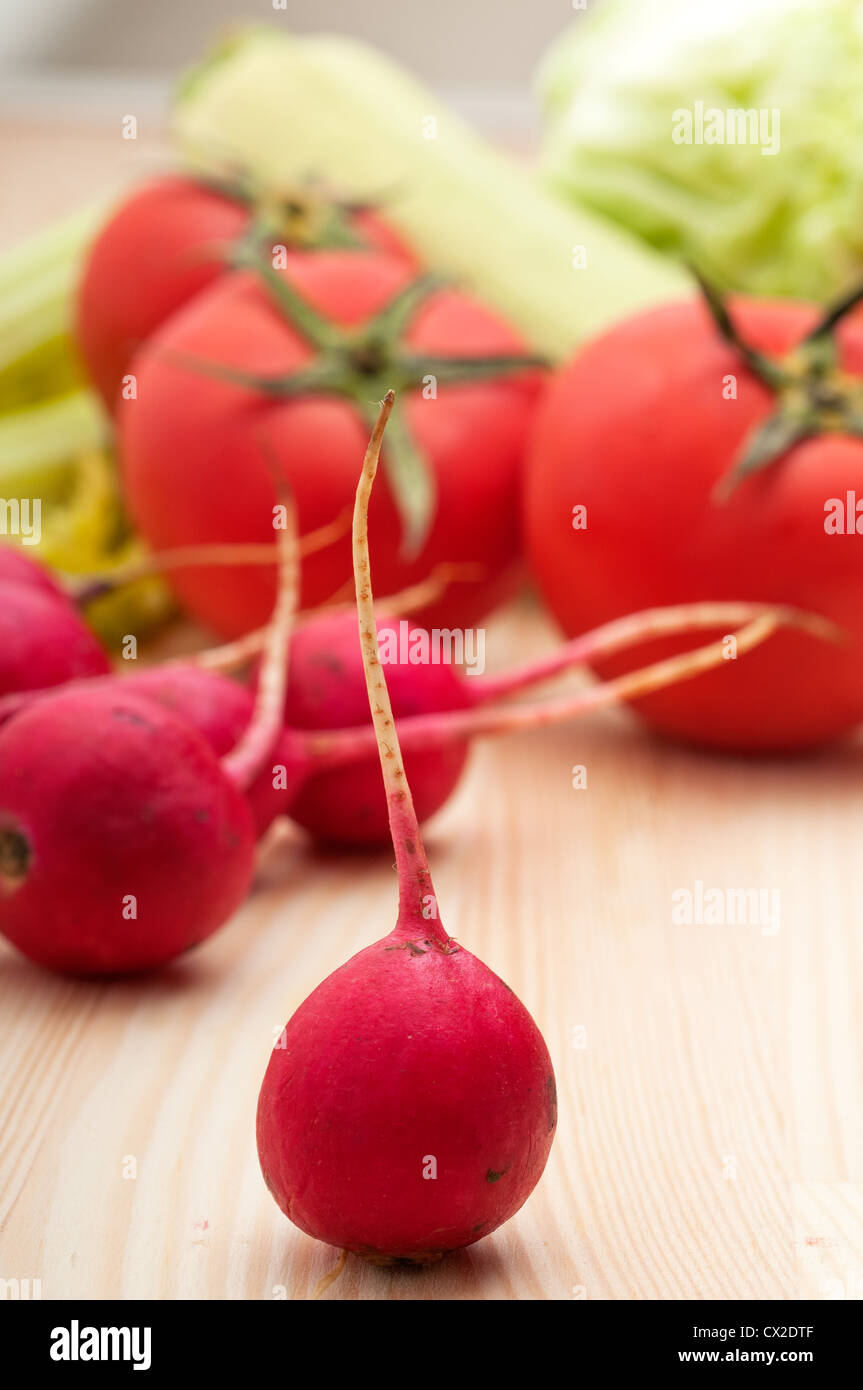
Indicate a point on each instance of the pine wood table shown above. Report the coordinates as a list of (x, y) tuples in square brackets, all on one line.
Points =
[(710, 1140), (711, 1077)]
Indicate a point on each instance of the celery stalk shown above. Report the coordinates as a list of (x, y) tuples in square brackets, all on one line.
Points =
[(62, 243), (37, 283), (54, 434), (38, 446), (287, 107)]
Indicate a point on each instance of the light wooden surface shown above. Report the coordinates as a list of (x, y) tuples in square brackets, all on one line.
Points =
[(711, 1126), (710, 1140)]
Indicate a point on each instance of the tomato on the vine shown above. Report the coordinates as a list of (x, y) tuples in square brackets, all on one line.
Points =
[(175, 236), (290, 365), (683, 456)]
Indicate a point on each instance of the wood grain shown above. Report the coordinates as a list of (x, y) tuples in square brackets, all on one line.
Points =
[(710, 1106)]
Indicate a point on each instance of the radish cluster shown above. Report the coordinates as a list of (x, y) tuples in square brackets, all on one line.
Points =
[(323, 770), (339, 798), (125, 839), (410, 1105)]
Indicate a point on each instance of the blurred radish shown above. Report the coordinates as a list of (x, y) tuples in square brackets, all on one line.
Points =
[(124, 840), (17, 567), (322, 774), (43, 641), (343, 801)]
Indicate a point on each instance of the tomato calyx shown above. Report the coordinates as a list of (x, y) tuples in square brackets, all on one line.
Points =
[(304, 216), (360, 365), (813, 395)]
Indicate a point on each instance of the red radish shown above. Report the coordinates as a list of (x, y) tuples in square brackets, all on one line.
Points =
[(410, 1105), (43, 641), (17, 567), (220, 710), (328, 769), (297, 356), (171, 239), (710, 457), (344, 802), (327, 690), (438, 732), (122, 843), (123, 839), (328, 784)]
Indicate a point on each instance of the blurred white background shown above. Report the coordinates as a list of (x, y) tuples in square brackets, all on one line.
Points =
[(71, 69), (481, 54)]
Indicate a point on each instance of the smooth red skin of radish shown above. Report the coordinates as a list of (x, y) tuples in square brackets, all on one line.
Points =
[(116, 796), (404, 1053), (16, 567), (636, 429), (327, 690), (220, 709), (43, 640), (474, 436), (165, 244)]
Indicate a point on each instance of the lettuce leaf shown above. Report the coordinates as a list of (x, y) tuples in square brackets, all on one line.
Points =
[(789, 222)]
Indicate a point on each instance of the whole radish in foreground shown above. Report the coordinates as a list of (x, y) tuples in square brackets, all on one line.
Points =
[(410, 1106), (685, 454), (295, 356), (174, 237), (124, 840)]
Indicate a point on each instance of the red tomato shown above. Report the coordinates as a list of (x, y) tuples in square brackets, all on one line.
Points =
[(639, 429), (162, 246), (192, 445)]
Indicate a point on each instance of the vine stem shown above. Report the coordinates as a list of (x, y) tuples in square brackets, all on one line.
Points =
[(417, 900)]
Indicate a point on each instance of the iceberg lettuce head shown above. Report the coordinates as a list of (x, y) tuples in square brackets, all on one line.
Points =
[(729, 134)]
